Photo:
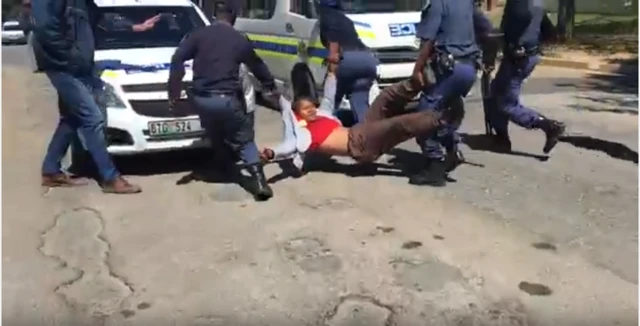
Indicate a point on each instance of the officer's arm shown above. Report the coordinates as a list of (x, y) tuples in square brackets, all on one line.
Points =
[(257, 67), (331, 32), (48, 28), (185, 51), (427, 32), (531, 35), (481, 25)]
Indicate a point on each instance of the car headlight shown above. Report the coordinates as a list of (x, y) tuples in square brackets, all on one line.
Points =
[(111, 99)]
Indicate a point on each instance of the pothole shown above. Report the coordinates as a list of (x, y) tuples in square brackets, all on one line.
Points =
[(357, 310), (426, 276), (312, 255)]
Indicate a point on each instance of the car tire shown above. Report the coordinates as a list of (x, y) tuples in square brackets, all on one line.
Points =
[(302, 82)]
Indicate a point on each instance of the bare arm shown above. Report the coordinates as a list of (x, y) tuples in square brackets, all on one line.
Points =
[(427, 32)]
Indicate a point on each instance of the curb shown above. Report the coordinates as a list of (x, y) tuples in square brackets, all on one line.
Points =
[(607, 68), (611, 68)]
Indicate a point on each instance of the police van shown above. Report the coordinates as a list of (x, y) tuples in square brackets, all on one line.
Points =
[(285, 32), (138, 115)]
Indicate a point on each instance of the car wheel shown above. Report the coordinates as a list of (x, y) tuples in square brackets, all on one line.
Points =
[(302, 82)]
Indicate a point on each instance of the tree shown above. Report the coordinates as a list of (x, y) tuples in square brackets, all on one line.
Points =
[(566, 19)]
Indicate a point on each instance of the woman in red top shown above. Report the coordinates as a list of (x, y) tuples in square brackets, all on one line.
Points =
[(386, 125)]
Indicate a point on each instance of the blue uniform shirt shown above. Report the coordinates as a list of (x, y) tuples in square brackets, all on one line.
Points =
[(217, 51), (336, 27), (450, 24), (521, 22)]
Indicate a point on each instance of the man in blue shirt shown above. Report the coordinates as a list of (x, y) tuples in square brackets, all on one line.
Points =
[(349, 58), (217, 89), (521, 23), (448, 33)]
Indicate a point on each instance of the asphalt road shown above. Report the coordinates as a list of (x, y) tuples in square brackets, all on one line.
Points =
[(517, 239)]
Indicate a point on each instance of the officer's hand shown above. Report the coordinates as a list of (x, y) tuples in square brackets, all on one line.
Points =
[(418, 77), (267, 155), (333, 58)]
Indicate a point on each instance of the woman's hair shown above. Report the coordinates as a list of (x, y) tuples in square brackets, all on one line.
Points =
[(298, 101)]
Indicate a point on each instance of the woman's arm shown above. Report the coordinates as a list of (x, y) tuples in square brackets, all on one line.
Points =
[(288, 145), (327, 104)]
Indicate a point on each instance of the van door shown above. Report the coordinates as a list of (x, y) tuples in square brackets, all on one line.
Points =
[(302, 24), (263, 22)]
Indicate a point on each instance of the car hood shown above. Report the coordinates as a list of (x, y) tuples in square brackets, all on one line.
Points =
[(137, 66)]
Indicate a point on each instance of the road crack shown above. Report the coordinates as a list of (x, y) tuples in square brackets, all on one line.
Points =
[(76, 242)]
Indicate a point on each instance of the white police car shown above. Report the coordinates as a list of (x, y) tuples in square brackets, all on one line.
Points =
[(138, 116)]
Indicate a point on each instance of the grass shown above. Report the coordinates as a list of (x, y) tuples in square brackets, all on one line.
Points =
[(594, 33)]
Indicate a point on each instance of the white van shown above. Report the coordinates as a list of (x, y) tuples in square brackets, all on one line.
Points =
[(12, 33), (138, 116), (285, 32)]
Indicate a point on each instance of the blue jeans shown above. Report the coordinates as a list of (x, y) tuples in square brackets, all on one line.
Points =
[(356, 73), (506, 87), (449, 85), (81, 118), (227, 122)]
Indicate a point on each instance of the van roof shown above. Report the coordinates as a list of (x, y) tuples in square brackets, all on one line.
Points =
[(10, 23), (143, 3)]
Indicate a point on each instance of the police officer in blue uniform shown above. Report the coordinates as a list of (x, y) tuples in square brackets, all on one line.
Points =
[(353, 63), (521, 24), (447, 31), (217, 51)]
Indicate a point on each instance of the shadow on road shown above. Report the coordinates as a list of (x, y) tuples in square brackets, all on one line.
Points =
[(613, 149), (163, 163), (482, 142)]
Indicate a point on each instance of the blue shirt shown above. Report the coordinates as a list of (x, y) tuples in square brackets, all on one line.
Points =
[(217, 51), (336, 27), (450, 25), (521, 22)]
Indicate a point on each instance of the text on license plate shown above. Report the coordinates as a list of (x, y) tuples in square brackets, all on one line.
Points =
[(174, 127)]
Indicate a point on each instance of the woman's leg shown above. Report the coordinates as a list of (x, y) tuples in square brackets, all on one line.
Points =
[(369, 140), (392, 101)]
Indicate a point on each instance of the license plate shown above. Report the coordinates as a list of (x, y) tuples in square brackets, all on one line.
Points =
[(174, 127)]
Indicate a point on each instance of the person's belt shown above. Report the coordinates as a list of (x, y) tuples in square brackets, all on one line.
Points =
[(354, 48), (213, 92)]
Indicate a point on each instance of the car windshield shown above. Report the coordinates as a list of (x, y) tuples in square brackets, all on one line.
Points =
[(114, 30), (11, 28), (382, 6)]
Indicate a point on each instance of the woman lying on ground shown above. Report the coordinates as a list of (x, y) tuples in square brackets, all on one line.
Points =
[(311, 126)]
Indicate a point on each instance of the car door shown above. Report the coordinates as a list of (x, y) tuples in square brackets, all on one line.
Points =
[(302, 25), (262, 22)]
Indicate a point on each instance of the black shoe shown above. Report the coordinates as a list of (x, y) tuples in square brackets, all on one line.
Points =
[(262, 191), (434, 175), (454, 159), (553, 130), (501, 143)]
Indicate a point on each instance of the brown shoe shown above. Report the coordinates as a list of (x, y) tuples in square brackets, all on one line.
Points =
[(61, 180), (120, 186)]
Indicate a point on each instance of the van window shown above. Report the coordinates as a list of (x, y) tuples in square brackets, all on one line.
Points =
[(114, 26), (303, 8), (382, 6), (258, 9)]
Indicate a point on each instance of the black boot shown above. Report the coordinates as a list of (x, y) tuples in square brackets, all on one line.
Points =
[(553, 130), (262, 191), (501, 143), (434, 175), (454, 159)]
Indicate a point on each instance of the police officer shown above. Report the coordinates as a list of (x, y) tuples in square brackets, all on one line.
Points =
[(354, 65), (218, 50), (447, 31), (521, 24)]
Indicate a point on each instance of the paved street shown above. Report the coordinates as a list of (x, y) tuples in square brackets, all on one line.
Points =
[(516, 240)]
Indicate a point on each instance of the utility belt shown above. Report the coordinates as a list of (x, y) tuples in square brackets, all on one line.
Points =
[(516, 52), (445, 62), (238, 95)]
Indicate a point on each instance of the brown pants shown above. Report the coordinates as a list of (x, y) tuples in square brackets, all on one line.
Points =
[(388, 124)]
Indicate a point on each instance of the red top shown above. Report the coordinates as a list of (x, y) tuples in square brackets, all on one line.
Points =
[(320, 129)]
